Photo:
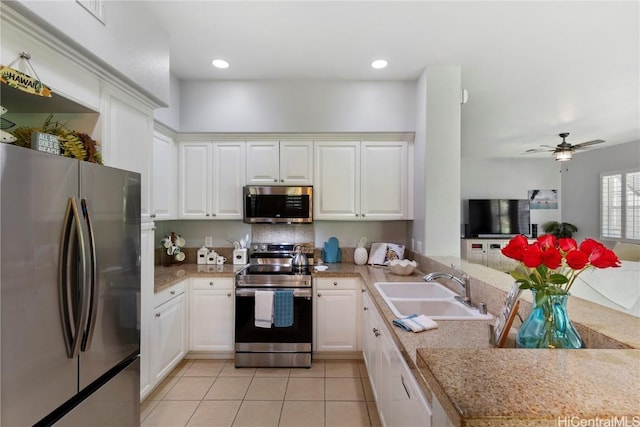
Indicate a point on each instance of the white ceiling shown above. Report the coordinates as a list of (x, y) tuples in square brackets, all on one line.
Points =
[(532, 69)]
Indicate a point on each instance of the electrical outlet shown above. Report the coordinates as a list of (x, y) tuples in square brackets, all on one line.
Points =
[(208, 241), (419, 248)]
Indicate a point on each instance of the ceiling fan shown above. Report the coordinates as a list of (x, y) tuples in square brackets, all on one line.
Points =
[(564, 150)]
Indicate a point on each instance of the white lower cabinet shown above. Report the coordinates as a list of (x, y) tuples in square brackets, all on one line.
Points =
[(337, 314), (168, 331), (488, 252), (212, 316), (398, 397)]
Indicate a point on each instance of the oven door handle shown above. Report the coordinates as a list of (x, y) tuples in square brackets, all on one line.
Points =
[(251, 292)]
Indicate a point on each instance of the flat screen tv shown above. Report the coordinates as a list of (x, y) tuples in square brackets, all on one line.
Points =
[(498, 217)]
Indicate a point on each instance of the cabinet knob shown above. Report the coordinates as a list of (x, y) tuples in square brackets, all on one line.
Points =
[(282, 180), (319, 294), (228, 294), (365, 308), (213, 214), (207, 214), (153, 215), (275, 180), (172, 292), (335, 283), (357, 215), (210, 283), (157, 314), (376, 332)]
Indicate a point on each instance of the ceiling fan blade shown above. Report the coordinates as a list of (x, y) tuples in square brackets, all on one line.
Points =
[(588, 143), (536, 150)]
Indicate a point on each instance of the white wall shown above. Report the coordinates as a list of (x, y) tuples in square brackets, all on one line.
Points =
[(441, 165), (170, 116), (297, 106), (128, 41), (484, 178), (581, 184), (417, 228)]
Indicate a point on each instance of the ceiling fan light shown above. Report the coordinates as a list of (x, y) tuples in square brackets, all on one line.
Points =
[(564, 156)]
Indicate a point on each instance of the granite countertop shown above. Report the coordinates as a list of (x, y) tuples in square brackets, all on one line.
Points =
[(479, 385), (168, 276)]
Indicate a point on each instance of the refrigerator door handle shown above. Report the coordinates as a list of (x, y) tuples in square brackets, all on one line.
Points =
[(71, 282), (93, 278)]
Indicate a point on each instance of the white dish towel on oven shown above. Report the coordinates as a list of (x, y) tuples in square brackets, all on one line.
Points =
[(264, 309)]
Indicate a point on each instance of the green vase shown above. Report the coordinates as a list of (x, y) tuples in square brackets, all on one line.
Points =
[(548, 324)]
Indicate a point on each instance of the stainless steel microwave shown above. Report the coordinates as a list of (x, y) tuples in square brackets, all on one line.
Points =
[(277, 204)]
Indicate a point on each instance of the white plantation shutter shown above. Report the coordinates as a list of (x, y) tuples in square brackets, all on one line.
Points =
[(611, 206), (620, 205), (632, 182)]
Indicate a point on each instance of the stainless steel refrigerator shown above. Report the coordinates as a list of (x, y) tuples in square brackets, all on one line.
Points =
[(70, 292)]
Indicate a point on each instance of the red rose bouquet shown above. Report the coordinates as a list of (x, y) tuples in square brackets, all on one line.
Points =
[(550, 265)]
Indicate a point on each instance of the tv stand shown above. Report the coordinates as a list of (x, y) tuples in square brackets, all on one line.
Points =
[(488, 252)]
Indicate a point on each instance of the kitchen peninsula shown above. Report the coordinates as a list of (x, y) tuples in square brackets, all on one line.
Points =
[(478, 385)]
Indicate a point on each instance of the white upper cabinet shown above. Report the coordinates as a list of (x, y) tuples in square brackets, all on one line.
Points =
[(127, 141), (210, 179), (279, 162), (361, 180), (164, 194), (336, 174), (383, 180)]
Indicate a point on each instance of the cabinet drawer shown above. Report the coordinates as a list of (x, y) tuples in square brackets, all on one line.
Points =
[(166, 294), (213, 283), (338, 283)]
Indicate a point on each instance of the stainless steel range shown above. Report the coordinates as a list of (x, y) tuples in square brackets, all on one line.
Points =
[(271, 269)]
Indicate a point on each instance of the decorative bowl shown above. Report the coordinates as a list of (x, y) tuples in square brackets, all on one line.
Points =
[(402, 267)]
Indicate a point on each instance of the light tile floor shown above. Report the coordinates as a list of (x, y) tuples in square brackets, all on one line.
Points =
[(214, 393)]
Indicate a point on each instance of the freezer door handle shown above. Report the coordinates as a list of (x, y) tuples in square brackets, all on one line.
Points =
[(71, 280), (93, 294)]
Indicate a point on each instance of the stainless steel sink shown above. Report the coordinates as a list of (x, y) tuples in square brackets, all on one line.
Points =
[(429, 298)]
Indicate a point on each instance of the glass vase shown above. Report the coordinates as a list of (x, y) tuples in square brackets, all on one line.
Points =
[(548, 324)]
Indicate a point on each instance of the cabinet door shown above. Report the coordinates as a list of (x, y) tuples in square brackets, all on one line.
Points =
[(193, 180), (168, 337), (147, 245), (128, 139), (383, 178), (211, 320), (165, 177), (227, 172), (336, 320), (296, 162), (370, 335), (263, 160), (476, 251), (408, 406), (337, 180)]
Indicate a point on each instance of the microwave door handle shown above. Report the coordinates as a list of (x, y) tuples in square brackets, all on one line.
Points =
[(93, 294), (73, 314)]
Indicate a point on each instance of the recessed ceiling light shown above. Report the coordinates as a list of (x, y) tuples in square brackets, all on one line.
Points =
[(220, 63), (379, 63)]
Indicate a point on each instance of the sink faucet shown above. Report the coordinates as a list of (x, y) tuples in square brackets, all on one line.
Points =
[(464, 282)]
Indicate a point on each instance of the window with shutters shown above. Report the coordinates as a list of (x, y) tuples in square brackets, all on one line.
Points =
[(620, 205)]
